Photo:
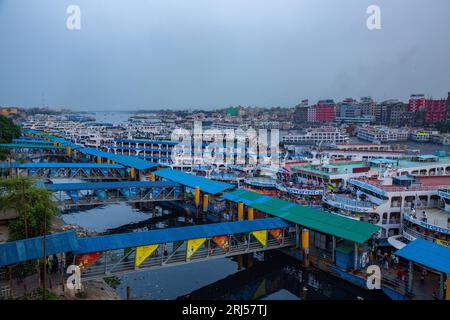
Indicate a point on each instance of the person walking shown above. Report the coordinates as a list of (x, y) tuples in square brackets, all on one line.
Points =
[(422, 276)]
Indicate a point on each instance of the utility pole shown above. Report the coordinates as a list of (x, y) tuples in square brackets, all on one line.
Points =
[(25, 213), (45, 256)]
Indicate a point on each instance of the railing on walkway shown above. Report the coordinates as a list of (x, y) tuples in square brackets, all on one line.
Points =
[(179, 257)]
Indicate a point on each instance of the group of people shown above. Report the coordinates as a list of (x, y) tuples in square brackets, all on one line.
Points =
[(424, 217)]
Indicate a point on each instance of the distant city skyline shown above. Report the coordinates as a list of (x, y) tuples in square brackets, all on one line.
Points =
[(172, 54)]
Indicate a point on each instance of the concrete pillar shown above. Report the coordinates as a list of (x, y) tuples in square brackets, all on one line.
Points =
[(205, 202), (355, 266), (240, 211), (251, 214), (333, 250), (447, 294), (197, 196), (410, 276), (305, 247)]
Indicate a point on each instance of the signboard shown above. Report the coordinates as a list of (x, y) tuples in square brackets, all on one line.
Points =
[(277, 233), (261, 236), (85, 260), (193, 245), (142, 253), (222, 241)]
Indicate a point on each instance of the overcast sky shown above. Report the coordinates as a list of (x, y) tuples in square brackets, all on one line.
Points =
[(151, 54)]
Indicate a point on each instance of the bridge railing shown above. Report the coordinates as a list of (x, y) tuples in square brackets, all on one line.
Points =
[(179, 257)]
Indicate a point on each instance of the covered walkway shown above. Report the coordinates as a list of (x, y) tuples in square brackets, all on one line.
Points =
[(128, 252), (96, 193), (193, 181), (127, 161), (71, 170)]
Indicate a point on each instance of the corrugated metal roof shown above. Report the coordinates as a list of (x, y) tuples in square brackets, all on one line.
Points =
[(33, 248), (136, 239), (70, 165), (29, 146), (192, 181), (128, 161), (428, 254), (109, 185), (5, 165), (316, 219), (31, 141)]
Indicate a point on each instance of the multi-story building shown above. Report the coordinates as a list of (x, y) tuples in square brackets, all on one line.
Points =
[(6, 111), (325, 111), (367, 106), (350, 111), (391, 112), (416, 103), (448, 107), (301, 112), (435, 111)]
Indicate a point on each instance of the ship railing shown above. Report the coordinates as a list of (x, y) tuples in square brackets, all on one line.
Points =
[(417, 234), (348, 201)]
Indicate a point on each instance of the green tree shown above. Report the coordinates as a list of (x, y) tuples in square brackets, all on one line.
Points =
[(33, 205), (8, 132)]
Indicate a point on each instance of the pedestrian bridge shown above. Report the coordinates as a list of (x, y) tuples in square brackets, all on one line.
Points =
[(107, 255), (72, 170), (100, 193), (130, 252)]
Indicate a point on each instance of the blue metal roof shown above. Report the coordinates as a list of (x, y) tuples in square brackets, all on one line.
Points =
[(128, 161), (159, 236), (38, 141), (33, 248), (5, 165), (70, 165), (109, 185), (428, 254), (167, 142), (190, 180)]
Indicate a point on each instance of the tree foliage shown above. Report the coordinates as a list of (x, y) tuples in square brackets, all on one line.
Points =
[(33, 204), (8, 132)]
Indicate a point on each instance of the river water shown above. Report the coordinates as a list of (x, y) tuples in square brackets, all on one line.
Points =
[(272, 275)]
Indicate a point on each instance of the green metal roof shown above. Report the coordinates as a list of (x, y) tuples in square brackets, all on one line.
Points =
[(316, 219)]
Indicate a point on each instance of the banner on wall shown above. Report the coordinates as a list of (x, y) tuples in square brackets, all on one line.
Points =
[(142, 253), (222, 241), (276, 233), (177, 244), (85, 260), (261, 236), (193, 245)]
